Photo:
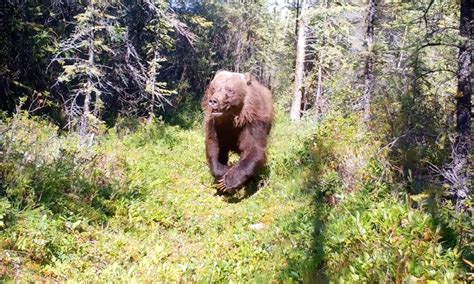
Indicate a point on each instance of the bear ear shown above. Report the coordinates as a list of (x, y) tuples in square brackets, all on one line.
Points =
[(248, 78)]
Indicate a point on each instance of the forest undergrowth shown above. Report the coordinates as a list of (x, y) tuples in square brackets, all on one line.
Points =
[(136, 203)]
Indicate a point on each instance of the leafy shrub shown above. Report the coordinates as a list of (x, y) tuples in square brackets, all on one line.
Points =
[(41, 236), (38, 165), (51, 184), (341, 150), (372, 239), (375, 233)]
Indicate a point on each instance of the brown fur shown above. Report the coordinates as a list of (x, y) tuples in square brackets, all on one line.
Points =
[(238, 117)]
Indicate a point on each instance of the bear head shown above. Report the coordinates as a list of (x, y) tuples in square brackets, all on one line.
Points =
[(226, 94)]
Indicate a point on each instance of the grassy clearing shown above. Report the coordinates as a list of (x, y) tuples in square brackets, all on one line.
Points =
[(141, 207)]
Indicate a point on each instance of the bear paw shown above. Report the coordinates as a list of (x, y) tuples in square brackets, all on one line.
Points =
[(231, 181)]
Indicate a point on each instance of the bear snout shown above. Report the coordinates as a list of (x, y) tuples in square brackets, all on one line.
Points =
[(213, 103)]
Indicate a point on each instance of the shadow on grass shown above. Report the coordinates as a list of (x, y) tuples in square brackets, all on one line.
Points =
[(308, 265)]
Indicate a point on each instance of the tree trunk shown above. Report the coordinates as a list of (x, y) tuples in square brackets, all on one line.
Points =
[(319, 89), (369, 63), (463, 143), (295, 113), (152, 84), (84, 123), (400, 58)]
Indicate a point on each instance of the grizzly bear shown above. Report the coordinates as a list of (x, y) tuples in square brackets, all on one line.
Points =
[(238, 117)]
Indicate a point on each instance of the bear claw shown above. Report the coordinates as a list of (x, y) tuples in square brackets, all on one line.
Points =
[(221, 186)]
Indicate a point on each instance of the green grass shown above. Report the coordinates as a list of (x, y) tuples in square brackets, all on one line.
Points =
[(142, 207)]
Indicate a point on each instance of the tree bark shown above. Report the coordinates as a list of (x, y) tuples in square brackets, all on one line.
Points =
[(463, 141), (369, 63), (84, 123), (152, 84), (295, 113), (319, 89)]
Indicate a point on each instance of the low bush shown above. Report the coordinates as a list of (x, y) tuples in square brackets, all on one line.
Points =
[(51, 186), (137, 203)]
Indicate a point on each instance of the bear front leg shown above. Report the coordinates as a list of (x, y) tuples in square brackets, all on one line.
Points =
[(246, 168), (216, 157), (252, 144), (217, 166)]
